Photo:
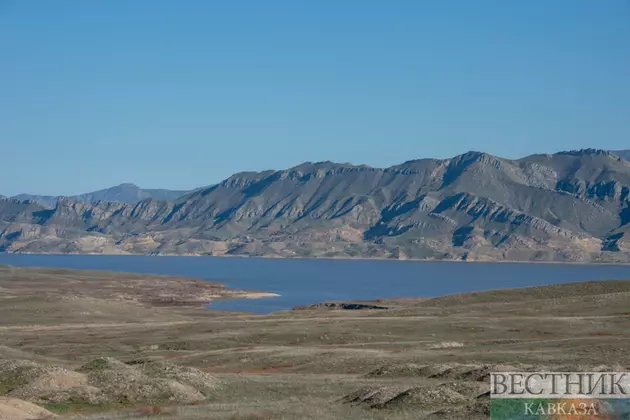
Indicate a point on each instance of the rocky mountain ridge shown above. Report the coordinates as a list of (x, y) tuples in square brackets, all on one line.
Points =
[(568, 206)]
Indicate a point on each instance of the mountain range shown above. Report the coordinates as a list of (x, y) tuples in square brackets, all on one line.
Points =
[(125, 193), (567, 206)]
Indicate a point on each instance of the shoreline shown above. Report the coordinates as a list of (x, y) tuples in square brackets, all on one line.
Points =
[(411, 260), (144, 289), (244, 295)]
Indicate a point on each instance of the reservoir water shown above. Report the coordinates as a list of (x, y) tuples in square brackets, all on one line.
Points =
[(306, 281)]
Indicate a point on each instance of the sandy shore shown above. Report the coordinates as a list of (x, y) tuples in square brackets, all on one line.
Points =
[(253, 295)]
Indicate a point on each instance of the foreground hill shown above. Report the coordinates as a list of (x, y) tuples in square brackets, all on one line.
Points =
[(124, 193), (569, 206)]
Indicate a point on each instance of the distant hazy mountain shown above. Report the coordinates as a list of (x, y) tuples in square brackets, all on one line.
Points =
[(569, 206), (45, 200), (623, 153), (124, 193)]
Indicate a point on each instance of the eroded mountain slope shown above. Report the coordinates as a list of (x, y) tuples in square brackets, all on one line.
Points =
[(566, 206)]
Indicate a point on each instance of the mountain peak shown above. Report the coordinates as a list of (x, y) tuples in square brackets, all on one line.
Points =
[(474, 154)]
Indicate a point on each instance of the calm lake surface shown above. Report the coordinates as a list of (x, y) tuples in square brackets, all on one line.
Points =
[(301, 282)]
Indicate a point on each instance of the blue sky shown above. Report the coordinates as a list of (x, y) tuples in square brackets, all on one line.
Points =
[(179, 94)]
